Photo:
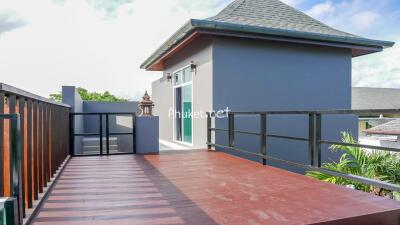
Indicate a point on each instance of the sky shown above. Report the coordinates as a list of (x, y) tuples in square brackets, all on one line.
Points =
[(100, 44)]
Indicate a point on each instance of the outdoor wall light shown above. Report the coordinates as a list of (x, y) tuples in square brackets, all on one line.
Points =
[(193, 67), (169, 77)]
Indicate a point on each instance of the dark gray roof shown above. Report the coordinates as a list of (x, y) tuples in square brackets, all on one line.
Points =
[(273, 14), (389, 128), (264, 17), (375, 98)]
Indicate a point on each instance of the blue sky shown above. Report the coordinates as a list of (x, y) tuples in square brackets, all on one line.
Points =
[(99, 44)]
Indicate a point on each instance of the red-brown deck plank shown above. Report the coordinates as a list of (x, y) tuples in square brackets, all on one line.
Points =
[(202, 188)]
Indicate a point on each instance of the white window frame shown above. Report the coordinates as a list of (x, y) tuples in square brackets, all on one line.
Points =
[(173, 105)]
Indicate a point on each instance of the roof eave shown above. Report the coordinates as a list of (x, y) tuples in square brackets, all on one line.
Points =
[(367, 46)]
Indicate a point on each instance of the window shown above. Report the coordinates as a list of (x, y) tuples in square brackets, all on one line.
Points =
[(183, 105)]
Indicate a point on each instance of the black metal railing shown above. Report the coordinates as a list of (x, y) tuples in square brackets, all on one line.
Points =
[(314, 140), (34, 142), (101, 116)]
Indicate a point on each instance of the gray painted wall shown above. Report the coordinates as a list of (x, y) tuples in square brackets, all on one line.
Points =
[(91, 123), (117, 123), (71, 97), (162, 90), (147, 130), (252, 75), (147, 135)]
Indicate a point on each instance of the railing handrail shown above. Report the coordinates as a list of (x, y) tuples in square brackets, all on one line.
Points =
[(102, 113), (335, 111), (8, 89), (314, 140)]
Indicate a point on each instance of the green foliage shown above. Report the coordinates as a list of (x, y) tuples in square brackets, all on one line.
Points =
[(91, 96), (378, 165)]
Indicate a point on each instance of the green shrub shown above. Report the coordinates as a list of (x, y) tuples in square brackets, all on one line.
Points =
[(374, 164)]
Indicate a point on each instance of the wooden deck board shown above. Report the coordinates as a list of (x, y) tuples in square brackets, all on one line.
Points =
[(202, 188)]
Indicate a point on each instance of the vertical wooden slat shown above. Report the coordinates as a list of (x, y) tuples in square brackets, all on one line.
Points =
[(12, 99), (21, 109), (45, 144), (53, 144), (35, 151), (1, 145), (40, 147), (29, 154)]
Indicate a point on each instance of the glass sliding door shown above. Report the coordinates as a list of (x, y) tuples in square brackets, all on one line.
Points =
[(178, 113), (187, 113), (183, 105)]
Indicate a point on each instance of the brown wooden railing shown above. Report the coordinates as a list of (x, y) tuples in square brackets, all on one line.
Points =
[(43, 144)]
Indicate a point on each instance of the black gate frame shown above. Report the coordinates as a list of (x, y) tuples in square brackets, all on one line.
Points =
[(100, 134)]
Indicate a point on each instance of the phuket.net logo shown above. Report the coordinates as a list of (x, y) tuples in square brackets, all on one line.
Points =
[(177, 113)]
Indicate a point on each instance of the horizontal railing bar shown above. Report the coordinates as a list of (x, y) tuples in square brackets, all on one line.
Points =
[(218, 129), (287, 137), (236, 149), (10, 90), (87, 134), (247, 132), (102, 113), (268, 135), (360, 145), (338, 111), (121, 133), (364, 180), (368, 181)]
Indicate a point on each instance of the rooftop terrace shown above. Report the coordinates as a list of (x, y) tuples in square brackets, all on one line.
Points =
[(201, 188), (43, 184)]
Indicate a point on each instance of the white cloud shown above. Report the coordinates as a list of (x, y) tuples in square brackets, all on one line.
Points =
[(293, 3), (322, 9), (9, 21), (362, 17), (368, 19), (365, 19), (379, 69), (74, 43)]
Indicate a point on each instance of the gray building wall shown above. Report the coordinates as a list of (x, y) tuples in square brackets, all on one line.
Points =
[(91, 123), (71, 97), (256, 75), (252, 75), (200, 52), (146, 127)]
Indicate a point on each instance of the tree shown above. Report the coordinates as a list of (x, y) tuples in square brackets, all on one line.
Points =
[(378, 165), (91, 96)]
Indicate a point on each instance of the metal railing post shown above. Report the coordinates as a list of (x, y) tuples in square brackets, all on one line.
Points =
[(107, 135), (263, 137), (71, 134), (318, 136), (134, 133), (311, 138), (16, 155), (208, 130), (101, 132), (231, 128)]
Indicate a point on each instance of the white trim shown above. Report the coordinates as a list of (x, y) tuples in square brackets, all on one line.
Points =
[(173, 104)]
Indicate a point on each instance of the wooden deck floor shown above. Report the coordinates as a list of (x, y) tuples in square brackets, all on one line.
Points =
[(201, 188)]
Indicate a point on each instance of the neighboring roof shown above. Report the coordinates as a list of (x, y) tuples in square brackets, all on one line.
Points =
[(271, 18), (375, 98), (389, 128)]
